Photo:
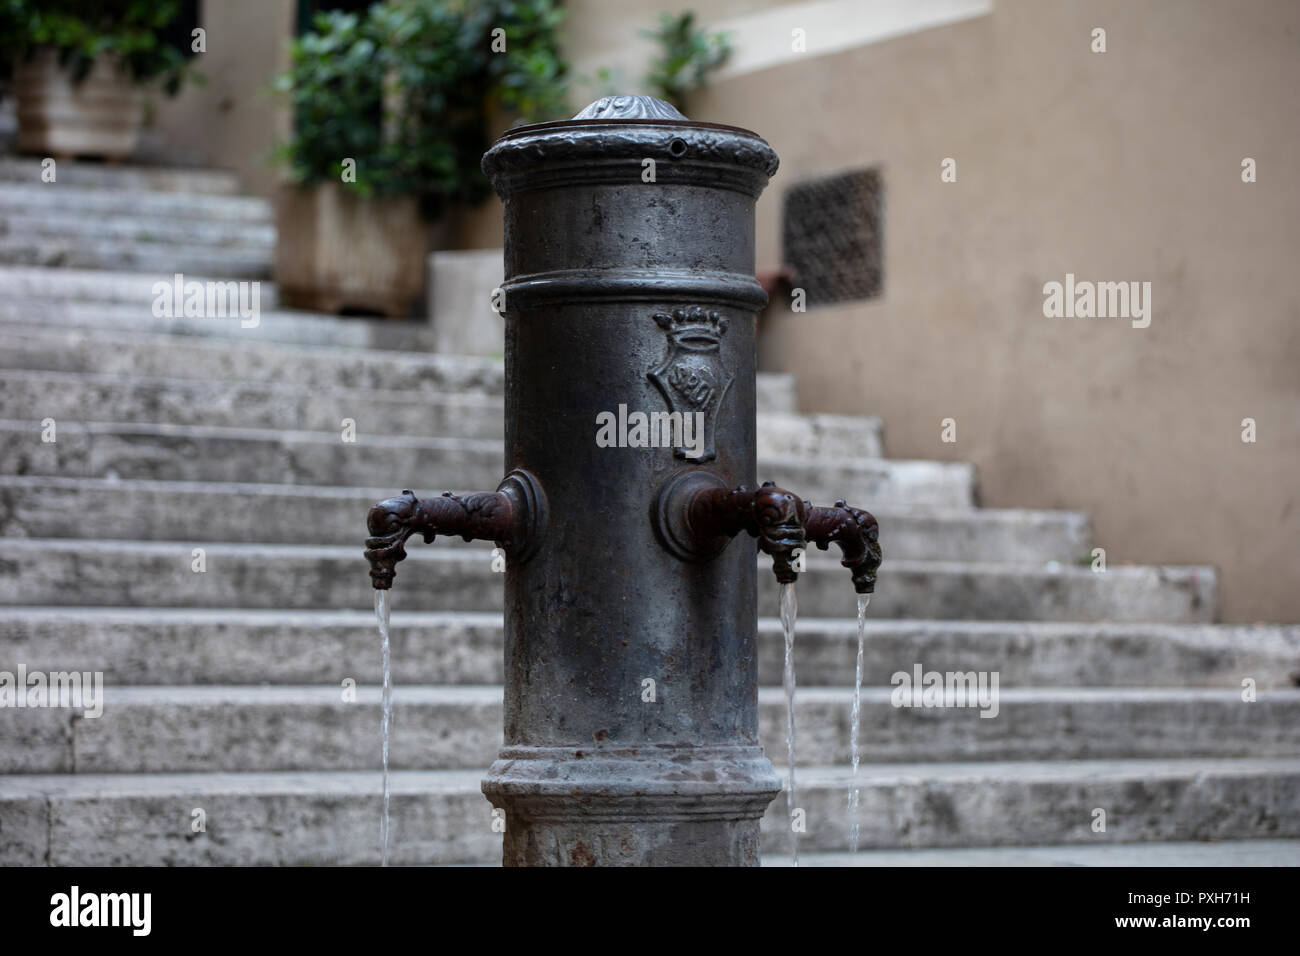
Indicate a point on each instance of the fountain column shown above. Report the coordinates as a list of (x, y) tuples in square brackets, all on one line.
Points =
[(631, 730)]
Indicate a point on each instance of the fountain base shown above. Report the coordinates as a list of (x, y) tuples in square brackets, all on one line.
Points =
[(668, 805)]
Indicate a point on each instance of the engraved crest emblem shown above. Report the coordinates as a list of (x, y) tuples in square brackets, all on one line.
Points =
[(691, 375)]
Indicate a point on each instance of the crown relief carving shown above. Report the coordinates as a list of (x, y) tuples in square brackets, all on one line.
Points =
[(693, 328), (692, 376)]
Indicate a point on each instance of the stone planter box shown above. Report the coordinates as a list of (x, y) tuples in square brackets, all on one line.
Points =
[(100, 117), (461, 283), (337, 252)]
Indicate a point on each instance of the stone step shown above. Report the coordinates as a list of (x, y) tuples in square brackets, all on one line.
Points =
[(34, 287), (242, 646), (83, 573), (1007, 534), (776, 393), (357, 363), (178, 401), (27, 171), (121, 303), (1050, 802), (332, 818), (819, 435), (117, 398), (92, 201), (202, 729), (34, 506), (78, 230), (1218, 853), (270, 325), (205, 453), (89, 252)]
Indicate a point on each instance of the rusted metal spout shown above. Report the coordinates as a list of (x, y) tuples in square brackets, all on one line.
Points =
[(772, 515), (857, 534), (697, 515), (512, 517)]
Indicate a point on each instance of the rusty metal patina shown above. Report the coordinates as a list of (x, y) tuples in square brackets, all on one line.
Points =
[(513, 516), (697, 516)]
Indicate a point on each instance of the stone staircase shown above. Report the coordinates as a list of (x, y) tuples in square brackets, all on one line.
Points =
[(223, 688)]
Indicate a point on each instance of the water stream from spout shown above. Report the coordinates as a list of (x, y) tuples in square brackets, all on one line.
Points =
[(789, 610), (381, 612), (855, 723)]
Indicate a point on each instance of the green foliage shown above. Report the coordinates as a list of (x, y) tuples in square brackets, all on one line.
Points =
[(409, 89), (82, 30), (687, 56)]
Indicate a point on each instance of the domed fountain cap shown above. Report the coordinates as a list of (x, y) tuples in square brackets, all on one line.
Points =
[(630, 108), (610, 141)]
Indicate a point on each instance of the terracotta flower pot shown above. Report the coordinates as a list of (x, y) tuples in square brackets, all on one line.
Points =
[(100, 116)]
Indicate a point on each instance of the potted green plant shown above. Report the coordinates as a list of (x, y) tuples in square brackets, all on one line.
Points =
[(393, 109), (79, 69), (687, 55)]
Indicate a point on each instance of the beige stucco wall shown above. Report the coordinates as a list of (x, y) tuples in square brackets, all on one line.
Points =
[(234, 120), (1116, 166)]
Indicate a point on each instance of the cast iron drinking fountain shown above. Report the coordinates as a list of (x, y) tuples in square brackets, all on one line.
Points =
[(629, 264)]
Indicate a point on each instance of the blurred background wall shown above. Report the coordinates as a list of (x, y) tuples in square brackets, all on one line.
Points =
[(1115, 166), (233, 120)]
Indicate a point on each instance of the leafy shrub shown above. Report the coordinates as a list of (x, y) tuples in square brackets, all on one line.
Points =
[(687, 55), (80, 31), (409, 90)]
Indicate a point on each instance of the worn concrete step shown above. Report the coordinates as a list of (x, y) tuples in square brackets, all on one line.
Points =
[(116, 398), (325, 818), (359, 363), (1218, 853), (37, 506), (819, 435), (263, 728), (116, 301), (84, 573), (250, 819), (269, 324), (37, 287), (206, 453), (75, 252), (1005, 534), (241, 646), (27, 170), (355, 363), (93, 201), (1049, 802), (99, 397), (77, 229)]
